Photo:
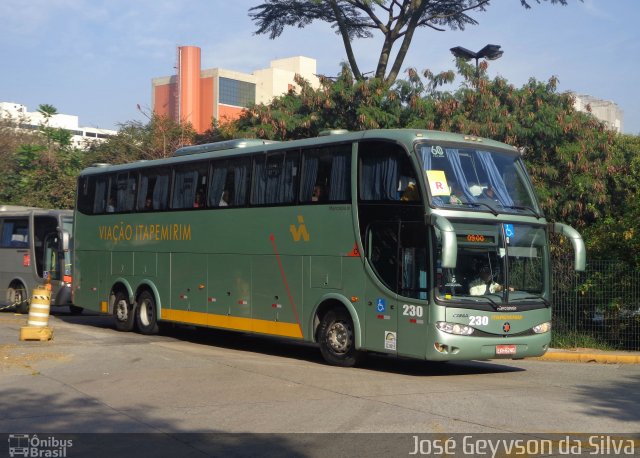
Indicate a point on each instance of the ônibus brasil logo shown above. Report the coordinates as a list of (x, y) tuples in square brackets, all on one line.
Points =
[(32, 446)]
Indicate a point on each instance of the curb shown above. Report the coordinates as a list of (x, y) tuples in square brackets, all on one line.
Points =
[(602, 358)]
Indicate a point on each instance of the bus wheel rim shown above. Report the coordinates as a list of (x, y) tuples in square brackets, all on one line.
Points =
[(339, 337), (145, 313), (122, 311)]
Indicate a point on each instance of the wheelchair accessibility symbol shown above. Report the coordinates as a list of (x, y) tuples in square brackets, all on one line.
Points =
[(509, 230), (381, 306)]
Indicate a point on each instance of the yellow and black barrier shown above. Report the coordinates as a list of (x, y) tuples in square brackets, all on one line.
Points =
[(38, 322)]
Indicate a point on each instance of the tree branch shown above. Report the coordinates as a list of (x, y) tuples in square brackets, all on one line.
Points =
[(345, 39)]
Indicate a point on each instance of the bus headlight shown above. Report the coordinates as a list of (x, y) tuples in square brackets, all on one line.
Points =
[(542, 328), (454, 328)]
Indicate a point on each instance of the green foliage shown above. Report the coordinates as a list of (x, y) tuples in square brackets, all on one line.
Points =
[(573, 339), (618, 230), (159, 138), (39, 168)]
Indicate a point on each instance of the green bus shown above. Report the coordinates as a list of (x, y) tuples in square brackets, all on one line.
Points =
[(35, 250), (371, 241)]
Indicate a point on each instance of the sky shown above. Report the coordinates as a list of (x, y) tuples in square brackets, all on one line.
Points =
[(95, 58)]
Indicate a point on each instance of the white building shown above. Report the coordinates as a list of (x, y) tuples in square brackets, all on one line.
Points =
[(34, 119), (279, 77), (605, 110)]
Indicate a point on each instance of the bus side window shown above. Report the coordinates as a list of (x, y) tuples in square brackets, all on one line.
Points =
[(125, 192), (189, 189), (15, 233), (275, 178), (238, 181), (228, 184), (153, 190), (85, 201), (326, 174), (386, 173), (100, 194)]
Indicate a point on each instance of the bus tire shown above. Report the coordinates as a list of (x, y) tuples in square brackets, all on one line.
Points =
[(337, 338), (147, 314), (19, 297), (75, 310), (123, 312)]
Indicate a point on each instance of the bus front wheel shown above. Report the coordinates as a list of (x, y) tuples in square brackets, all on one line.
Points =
[(337, 339), (147, 315), (18, 296), (123, 312)]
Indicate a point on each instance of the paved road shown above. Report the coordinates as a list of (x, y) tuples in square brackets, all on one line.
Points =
[(91, 378)]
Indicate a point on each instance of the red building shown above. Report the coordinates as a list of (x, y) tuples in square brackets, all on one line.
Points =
[(199, 96)]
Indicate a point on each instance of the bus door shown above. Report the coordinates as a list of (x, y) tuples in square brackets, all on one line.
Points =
[(381, 321), (51, 258), (413, 284)]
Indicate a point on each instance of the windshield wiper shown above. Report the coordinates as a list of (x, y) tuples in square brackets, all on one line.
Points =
[(540, 298), (472, 299), (478, 204), (523, 207)]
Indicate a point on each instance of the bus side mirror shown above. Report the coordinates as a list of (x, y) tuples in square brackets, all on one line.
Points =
[(579, 250), (449, 241), (64, 240)]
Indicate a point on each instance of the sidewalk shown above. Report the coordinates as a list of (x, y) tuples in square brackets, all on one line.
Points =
[(590, 355)]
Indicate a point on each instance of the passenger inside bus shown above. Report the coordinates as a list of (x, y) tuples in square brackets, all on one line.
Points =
[(199, 200), (410, 194), (224, 199), (484, 283), (457, 197), (489, 195), (318, 193)]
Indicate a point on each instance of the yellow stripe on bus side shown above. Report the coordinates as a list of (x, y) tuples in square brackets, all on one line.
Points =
[(236, 323)]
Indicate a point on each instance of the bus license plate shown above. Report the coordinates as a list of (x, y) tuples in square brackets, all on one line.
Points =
[(505, 349)]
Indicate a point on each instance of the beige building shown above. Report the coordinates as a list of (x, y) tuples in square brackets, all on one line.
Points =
[(605, 110)]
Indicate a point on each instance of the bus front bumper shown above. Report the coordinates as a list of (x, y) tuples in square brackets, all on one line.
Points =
[(448, 347)]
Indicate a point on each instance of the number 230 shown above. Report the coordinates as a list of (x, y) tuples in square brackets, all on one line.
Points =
[(412, 310)]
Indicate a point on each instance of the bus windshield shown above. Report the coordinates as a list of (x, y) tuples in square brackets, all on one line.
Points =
[(476, 179), (497, 264)]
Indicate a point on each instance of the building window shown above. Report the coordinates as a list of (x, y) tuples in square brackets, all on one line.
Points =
[(237, 93)]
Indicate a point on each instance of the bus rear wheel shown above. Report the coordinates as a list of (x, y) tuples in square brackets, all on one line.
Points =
[(337, 339), (147, 314), (123, 312)]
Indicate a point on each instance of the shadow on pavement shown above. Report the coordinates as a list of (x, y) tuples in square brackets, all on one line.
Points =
[(620, 400), (305, 351), (45, 418)]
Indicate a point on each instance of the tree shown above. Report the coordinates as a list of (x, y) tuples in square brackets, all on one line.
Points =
[(39, 167), (617, 234), (345, 103), (396, 20), (11, 137), (159, 138)]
